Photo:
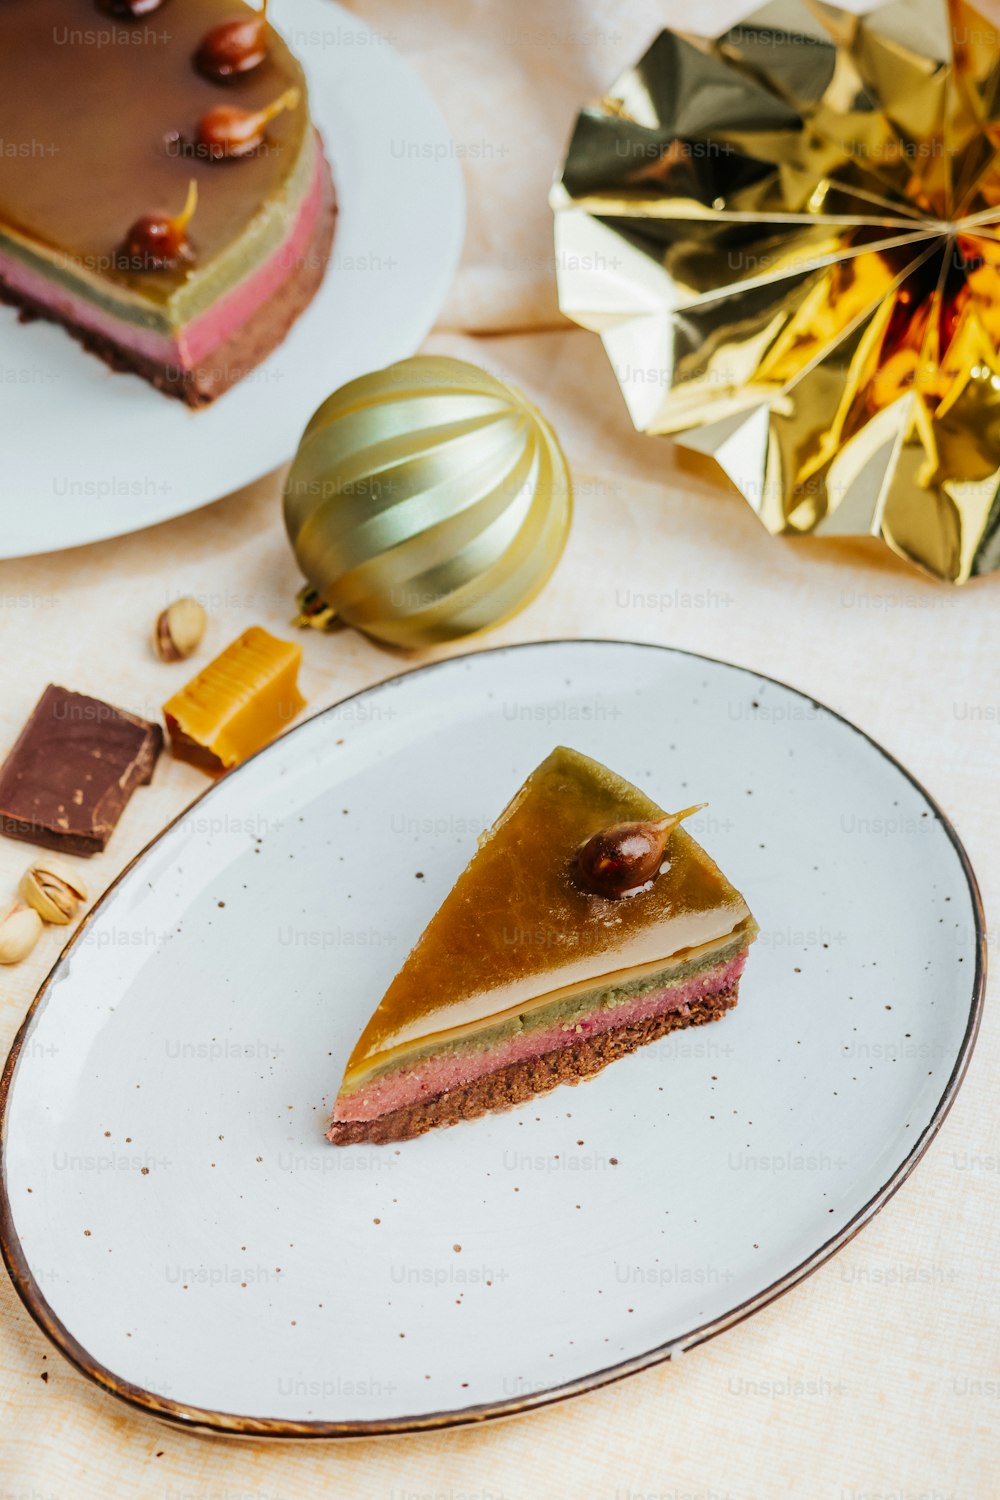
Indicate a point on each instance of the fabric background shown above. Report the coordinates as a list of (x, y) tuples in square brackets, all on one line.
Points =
[(877, 1379)]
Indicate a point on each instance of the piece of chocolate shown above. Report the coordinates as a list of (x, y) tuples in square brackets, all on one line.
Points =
[(73, 768)]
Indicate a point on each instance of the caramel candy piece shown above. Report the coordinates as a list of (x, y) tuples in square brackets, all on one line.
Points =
[(237, 704)]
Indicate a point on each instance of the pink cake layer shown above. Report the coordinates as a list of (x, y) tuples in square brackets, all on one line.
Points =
[(409, 1084), (193, 343)]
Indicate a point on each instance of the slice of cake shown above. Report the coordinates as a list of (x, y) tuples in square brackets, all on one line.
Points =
[(163, 193), (588, 923)]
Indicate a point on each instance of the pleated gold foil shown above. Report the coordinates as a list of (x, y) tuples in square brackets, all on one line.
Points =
[(788, 238), (427, 501)]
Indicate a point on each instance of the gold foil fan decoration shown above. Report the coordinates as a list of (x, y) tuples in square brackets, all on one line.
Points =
[(788, 238), (426, 501)]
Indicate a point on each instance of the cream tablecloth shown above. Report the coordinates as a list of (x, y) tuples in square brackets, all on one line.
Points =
[(879, 1376)]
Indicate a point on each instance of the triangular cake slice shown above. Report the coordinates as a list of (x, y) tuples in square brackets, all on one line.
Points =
[(545, 962)]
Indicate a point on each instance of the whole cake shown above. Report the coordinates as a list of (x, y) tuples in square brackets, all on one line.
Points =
[(587, 923), (163, 192)]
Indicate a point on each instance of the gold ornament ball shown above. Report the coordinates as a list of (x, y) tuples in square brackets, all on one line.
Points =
[(427, 500)]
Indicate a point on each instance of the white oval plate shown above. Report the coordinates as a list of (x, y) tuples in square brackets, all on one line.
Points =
[(172, 1214), (89, 454)]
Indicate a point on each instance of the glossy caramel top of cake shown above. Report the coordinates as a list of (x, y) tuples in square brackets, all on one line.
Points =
[(516, 928), (91, 108)]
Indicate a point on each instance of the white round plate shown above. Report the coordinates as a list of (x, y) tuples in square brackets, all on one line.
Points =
[(89, 454), (174, 1218)]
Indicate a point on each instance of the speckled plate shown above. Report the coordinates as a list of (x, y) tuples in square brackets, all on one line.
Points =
[(172, 1215)]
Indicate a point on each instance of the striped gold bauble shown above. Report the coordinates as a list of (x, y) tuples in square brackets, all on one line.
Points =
[(426, 501)]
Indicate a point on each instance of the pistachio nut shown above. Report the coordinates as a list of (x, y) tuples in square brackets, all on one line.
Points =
[(52, 891), (179, 629), (20, 929)]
